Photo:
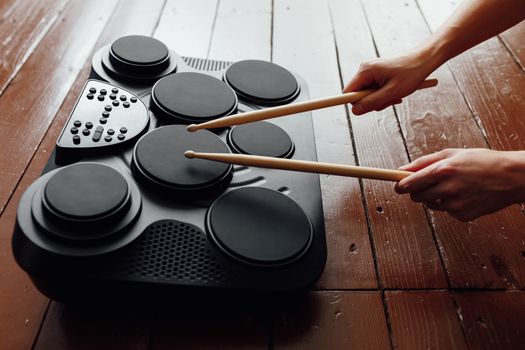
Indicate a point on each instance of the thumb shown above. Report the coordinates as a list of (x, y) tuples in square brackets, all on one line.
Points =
[(376, 100), (360, 81)]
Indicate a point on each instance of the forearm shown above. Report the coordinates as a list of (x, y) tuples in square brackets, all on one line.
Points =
[(473, 22)]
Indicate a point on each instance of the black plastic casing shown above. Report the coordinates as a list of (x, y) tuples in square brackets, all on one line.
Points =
[(167, 249)]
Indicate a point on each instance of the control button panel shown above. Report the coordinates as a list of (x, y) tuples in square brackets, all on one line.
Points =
[(100, 110)]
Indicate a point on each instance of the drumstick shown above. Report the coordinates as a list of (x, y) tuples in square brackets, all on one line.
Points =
[(302, 165), (293, 108)]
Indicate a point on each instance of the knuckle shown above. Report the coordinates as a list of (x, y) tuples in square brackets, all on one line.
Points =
[(446, 170)]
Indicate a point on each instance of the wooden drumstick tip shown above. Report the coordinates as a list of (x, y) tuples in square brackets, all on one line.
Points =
[(189, 154), (192, 127)]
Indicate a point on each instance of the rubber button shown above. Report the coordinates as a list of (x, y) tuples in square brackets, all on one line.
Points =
[(111, 131), (121, 137), (74, 130), (89, 125), (115, 103), (92, 90), (133, 99), (97, 136), (123, 130), (105, 114), (108, 108), (103, 91), (112, 96), (123, 97), (76, 139), (103, 120), (114, 90), (77, 123), (86, 132), (126, 104), (108, 138), (90, 96), (100, 98)]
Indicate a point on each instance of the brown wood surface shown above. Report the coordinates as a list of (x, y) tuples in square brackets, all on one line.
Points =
[(406, 253), (25, 121), (378, 242), (23, 26), (492, 320), (67, 328), (333, 320), (487, 252), (513, 39), (424, 320)]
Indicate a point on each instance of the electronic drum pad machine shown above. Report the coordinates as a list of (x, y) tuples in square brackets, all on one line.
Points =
[(120, 211)]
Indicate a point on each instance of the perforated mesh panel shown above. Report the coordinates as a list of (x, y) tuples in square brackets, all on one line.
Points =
[(204, 64), (174, 251)]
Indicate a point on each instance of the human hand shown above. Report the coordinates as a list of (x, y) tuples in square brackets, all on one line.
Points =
[(466, 183), (394, 78)]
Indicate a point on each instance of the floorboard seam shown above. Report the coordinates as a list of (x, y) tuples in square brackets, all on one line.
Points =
[(213, 28), (511, 52)]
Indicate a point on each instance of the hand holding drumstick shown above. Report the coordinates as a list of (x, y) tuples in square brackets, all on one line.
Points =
[(297, 165)]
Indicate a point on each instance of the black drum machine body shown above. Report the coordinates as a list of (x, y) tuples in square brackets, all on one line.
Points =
[(120, 211)]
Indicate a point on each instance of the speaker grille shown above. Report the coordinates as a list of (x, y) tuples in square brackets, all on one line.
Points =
[(177, 252), (204, 64)]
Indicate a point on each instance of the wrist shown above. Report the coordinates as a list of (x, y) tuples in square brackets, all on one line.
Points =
[(516, 168), (431, 55)]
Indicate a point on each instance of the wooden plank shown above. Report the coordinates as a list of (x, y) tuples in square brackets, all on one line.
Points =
[(66, 328), (492, 84), (493, 320), (306, 46), (242, 31), (30, 304), (487, 252), (406, 254), (237, 21), (185, 25), (424, 320), (514, 39), (333, 320), (205, 330), (22, 27), (26, 117)]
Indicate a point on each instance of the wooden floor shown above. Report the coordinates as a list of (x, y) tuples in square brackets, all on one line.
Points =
[(398, 276)]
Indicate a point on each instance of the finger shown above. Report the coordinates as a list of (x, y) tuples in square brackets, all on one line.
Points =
[(420, 180), (360, 81), (440, 191), (435, 205), (465, 216), (424, 161), (375, 101), (449, 205)]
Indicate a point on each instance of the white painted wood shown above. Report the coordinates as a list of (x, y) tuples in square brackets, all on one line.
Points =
[(436, 18), (186, 26), (242, 30), (135, 11), (349, 22), (303, 41)]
